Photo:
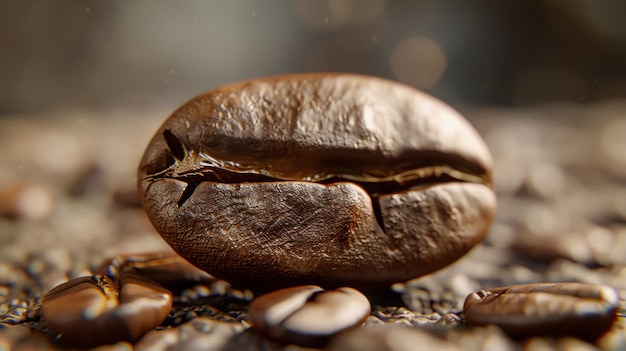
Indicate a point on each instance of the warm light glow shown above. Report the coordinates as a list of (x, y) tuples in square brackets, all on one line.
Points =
[(418, 61)]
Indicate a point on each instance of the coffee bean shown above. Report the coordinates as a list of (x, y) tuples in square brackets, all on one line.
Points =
[(165, 268), (201, 333), (326, 179), (578, 309), (449, 320), (307, 315), (22, 200), (18, 338), (389, 337), (90, 311)]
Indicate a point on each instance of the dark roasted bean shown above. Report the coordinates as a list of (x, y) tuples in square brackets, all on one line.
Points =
[(327, 179), (307, 315), (583, 310)]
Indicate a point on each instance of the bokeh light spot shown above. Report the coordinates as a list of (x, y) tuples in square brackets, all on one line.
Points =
[(418, 61)]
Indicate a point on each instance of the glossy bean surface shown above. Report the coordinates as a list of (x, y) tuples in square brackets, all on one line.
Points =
[(308, 315), (91, 311)]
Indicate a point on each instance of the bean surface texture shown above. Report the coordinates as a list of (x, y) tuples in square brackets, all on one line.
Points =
[(327, 179)]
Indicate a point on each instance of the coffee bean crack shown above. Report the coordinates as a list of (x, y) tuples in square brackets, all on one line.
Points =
[(195, 167)]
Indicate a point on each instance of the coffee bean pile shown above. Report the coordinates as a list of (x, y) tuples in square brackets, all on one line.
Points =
[(67, 204)]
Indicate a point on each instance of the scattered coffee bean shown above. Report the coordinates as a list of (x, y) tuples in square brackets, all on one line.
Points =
[(307, 315), (88, 311), (389, 337), (327, 179), (14, 315), (19, 338), (450, 320), (23, 200), (201, 333), (165, 268), (578, 309), (562, 343)]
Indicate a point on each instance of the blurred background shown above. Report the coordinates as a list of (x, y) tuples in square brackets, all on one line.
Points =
[(84, 84), (91, 54)]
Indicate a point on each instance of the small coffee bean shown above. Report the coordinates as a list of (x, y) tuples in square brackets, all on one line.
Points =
[(389, 337), (22, 200), (18, 338), (307, 315), (90, 311), (201, 333), (165, 268), (326, 179), (14, 316), (578, 309), (449, 320)]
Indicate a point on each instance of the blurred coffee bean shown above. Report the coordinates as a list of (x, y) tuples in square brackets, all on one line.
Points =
[(307, 315), (566, 270), (126, 198), (615, 338), (165, 268), (588, 244), (18, 338), (91, 180), (90, 311), (202, 333), (563, 343), (392, 314), (389, 337), (450, 320), (15, 315), (23, 200), (577, 309)]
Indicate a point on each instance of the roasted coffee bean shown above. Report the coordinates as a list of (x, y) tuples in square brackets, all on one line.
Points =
[(90, 311), (577, 309), (201, 333), (307, 315), (389, 337), (326, 179), (165, 268), (23, 200)]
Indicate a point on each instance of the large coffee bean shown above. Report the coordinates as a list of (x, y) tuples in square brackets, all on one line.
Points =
[(582, 310), (327, 179), (307, 315)]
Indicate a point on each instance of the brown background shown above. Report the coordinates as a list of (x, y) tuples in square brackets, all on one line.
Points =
[(84, 84), (92, 53)]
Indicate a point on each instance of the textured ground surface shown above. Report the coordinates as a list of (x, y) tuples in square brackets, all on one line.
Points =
[(67, 199)]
